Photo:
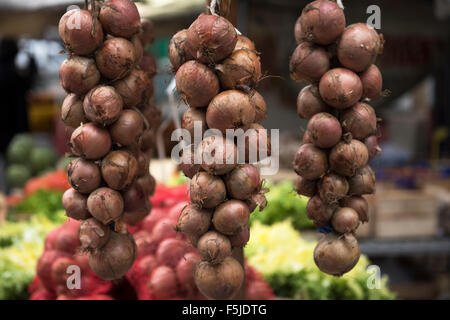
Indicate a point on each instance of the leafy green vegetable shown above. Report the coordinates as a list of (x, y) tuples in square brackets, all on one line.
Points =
[(43, 202)]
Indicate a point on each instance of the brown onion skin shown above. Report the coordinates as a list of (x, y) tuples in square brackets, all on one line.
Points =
[(178, 54), (244, 43), (345, 220), (310, 162), (148, 182), (257, 140), (120, 18), (360, 120), (143, 162), (119, 169), (363, 182), (307, 138), (243, 181), (78, 74), (359, 204), (219, 281), (152, 114), (115, 258), (85, 39), (321, 22), (240, 239), (333, 187), (103, 105), (127, 129), (148, 64), (371, 143), (210, 38), (188, 165), (358, 47), (325, 130), (147, 140), (257, 200), (138, 48), (135, 89), (310, 103), (231, 217), (347, 157), (230, 109), (207, 190), (197, 84), (298, 33), (214, 247), (90, 141), (147, 33), (242, 69), (84, 175), (189, 118), (306, 187), (105, 204), (72, 113), (217, 154), (319, 212), (136, 204), (93, 234), (308, 63), (75, 204), (335, 254), (116, 58), (340, 88), (193, 220), (260, 106), (372, 82)]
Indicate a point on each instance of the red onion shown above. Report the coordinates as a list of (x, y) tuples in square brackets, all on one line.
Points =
[(93, 234), (214, 247), (240, 239), (72, 113), (103, 105), (309, 102), (325, 130), (340, 88), (345, 220), (363, 182), (116, 58), (119, 169), (90, 141), (193, 221), (191, 116), (231, 217), (333, 187), (306, 187), (178, 54), (360, 120), (260, 106), (148, 64), (218, 155), (188, 165), (308, 62), (257, 143), (371, 143), (128, 128), (105, 205), (135, 89), (207, 190), (310, 162), (120, 18), (146, 34), (75, 204), (244, 43), (78, 74), (243, 181), (372, 82), (359, 204), (138, 48), (347, 157), (84, 175), (319, 212), (136, 204)]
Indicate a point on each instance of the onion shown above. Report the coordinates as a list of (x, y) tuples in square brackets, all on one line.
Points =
[(148, 183), (260, 106), (231, 217), (363, 182), (188, 165), (372, 82), (308, 62), (119, 169), (371, 143), (75, 204), (136, 204), (147, 140), (347, 157), (120, 18), (171, 251), (67, 239), (340, 88), (307, 138), (231, 109), (80, 32), (78, 74), (90, 141), (72, 113), (177, 50), (59, 272), (128, 128), (241, 70), (325, 130), (319, 212), (321, 22), (105, 204), (163, 283), (360, 120), (207, 190), (147, 33), (358, 47), (197, 84), (115, 258), (306, 187), (103, 105), (244, 43), (93, 234), (257, 200), (44, 267), (243, 181), (332, 187), (193, 221), (214, 247), (189, 118), (359, 204), (138, 48), (298, 33), (345, 220), (218, 155), (135, 89), (152, 114), (148, 64), (84, 175), (310, 103), (210, 38), (185, 270), (257, 143), (143, 161), (310, 162), (219, 281), (240, 239), (116, 58), (335, 254)]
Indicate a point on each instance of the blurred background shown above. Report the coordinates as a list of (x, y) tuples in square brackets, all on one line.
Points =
[(408, 235)]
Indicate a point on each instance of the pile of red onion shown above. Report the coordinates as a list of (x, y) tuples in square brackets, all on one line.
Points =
[(337, 61), (217, 71), (108, 78)]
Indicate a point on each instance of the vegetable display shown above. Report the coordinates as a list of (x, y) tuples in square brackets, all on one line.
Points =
[(109, 104), (340, 138), (207, 57)]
